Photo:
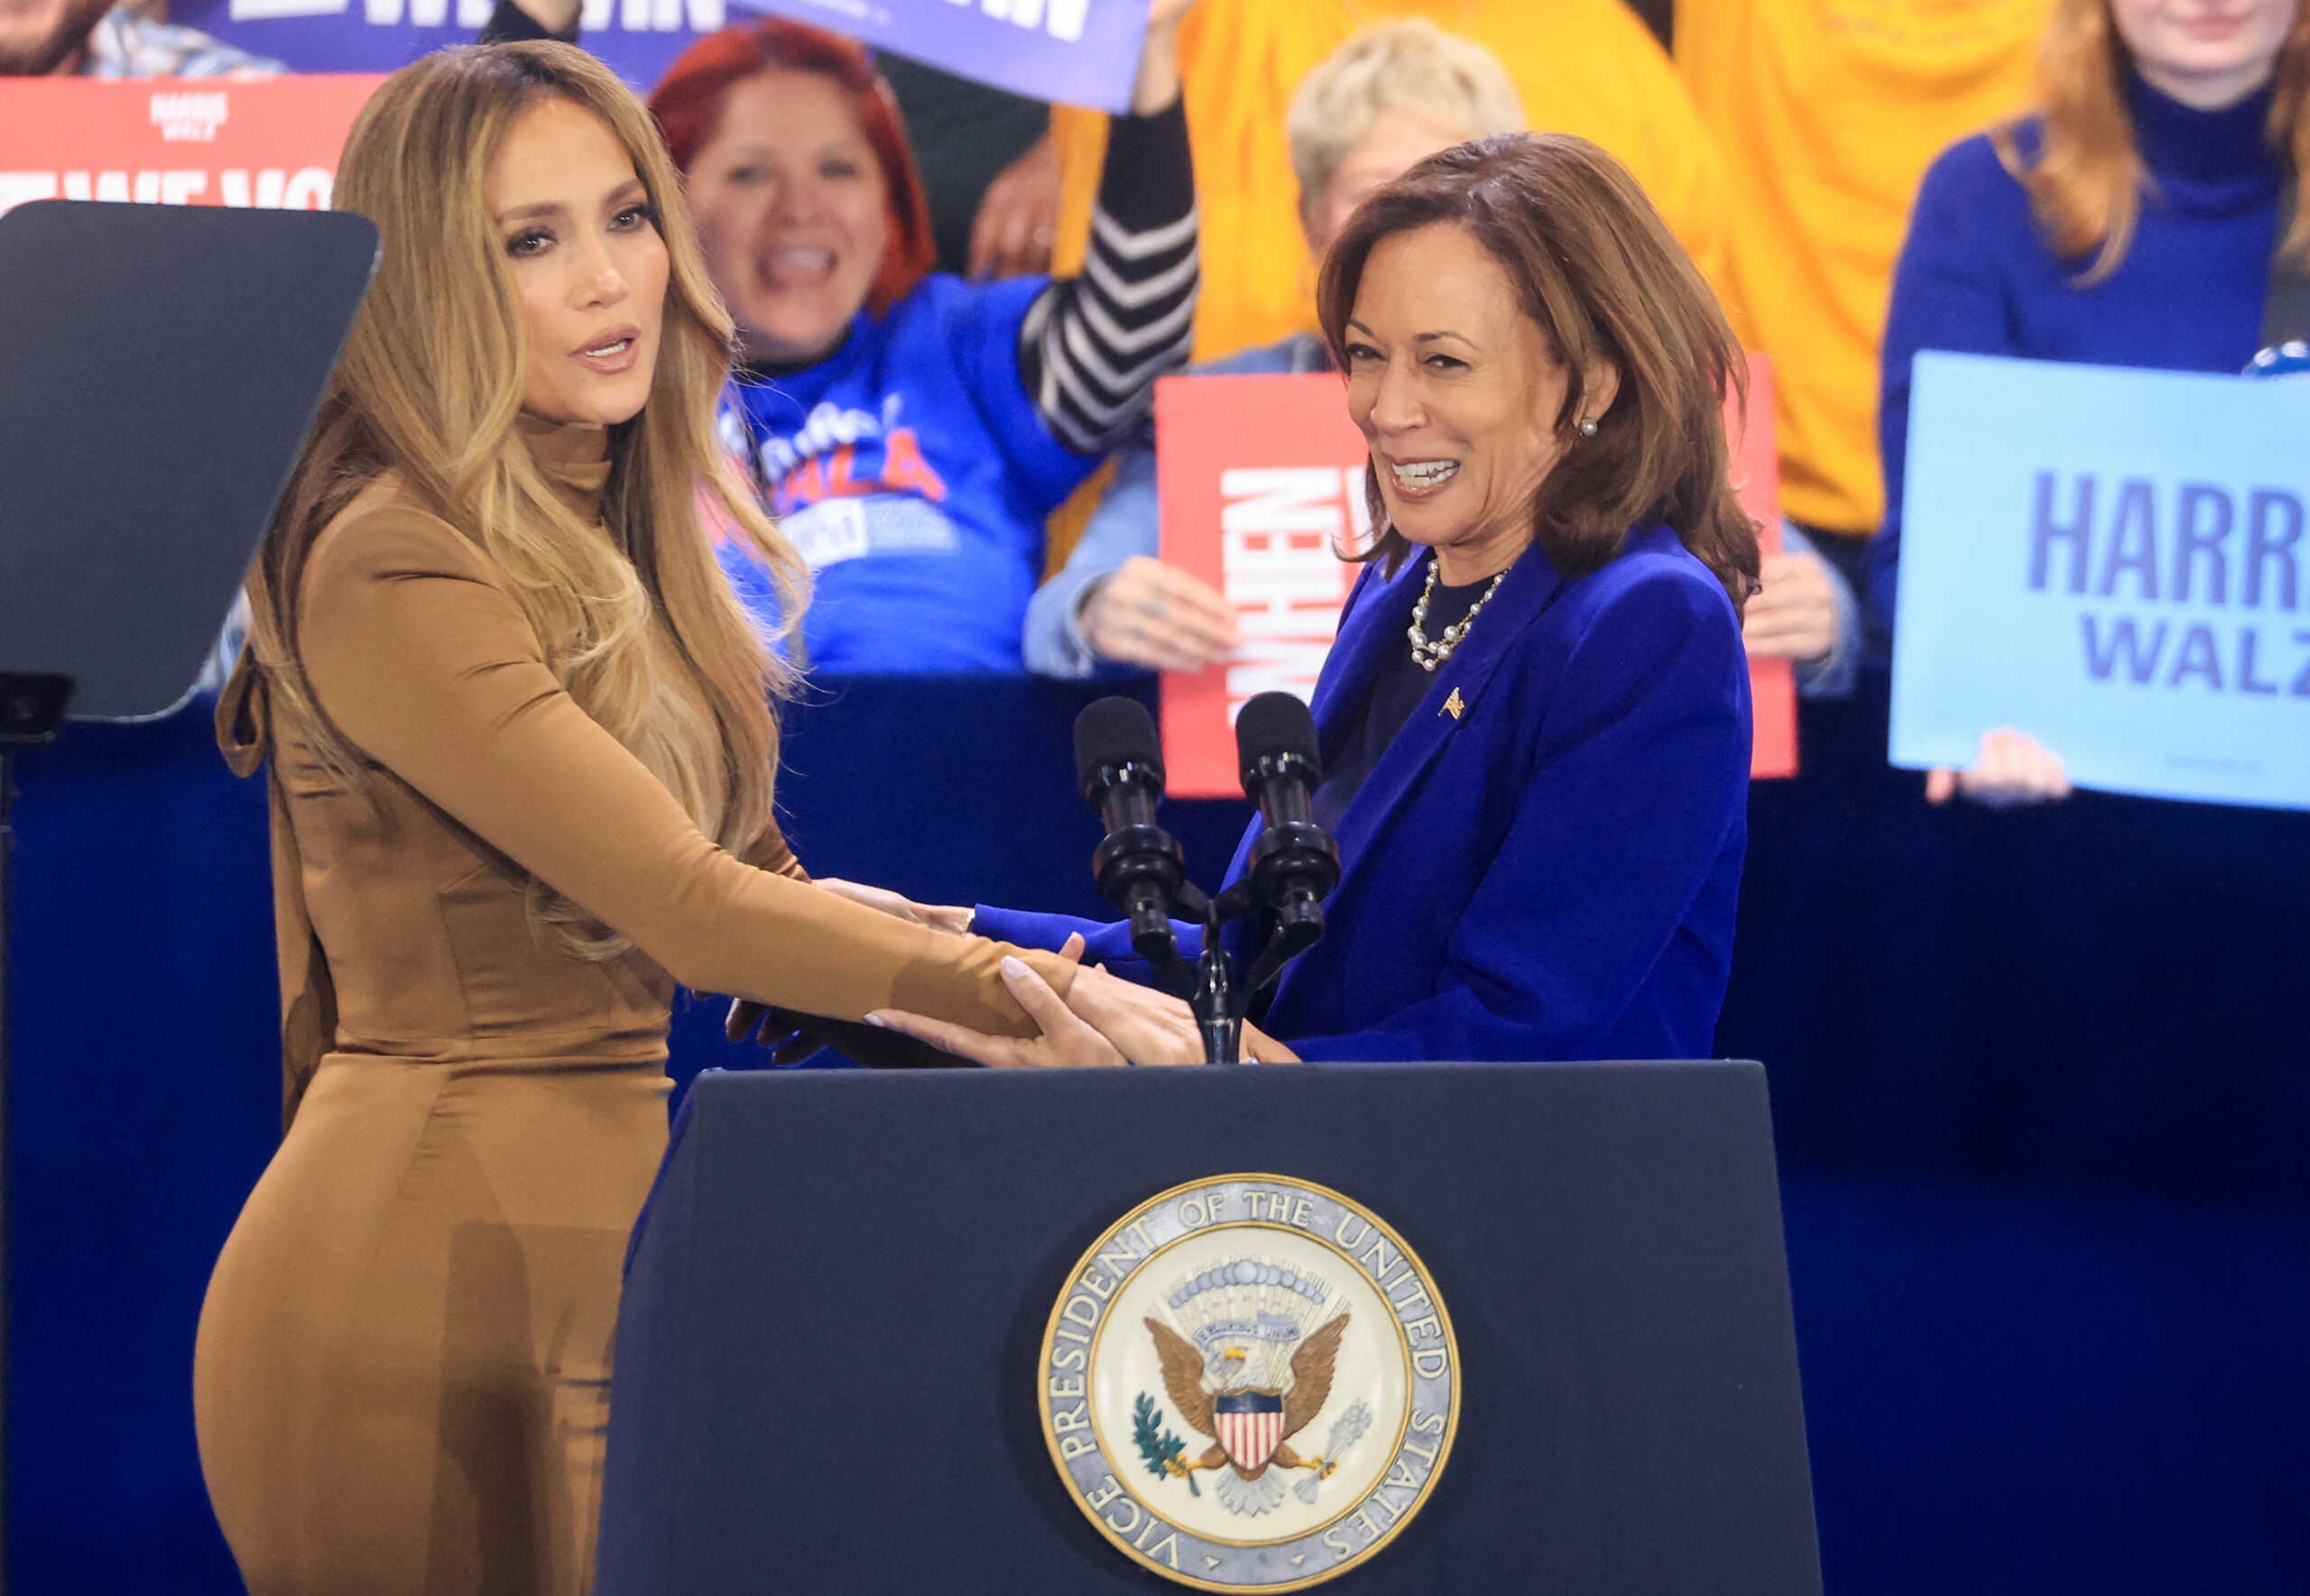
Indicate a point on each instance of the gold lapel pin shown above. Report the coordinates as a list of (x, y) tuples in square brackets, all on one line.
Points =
[(1455, 706)]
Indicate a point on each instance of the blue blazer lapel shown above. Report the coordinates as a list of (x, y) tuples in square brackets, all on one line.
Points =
[(1378, 611), (1364, 630), (1532, 582)]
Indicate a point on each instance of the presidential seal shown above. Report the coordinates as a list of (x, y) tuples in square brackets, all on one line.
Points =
[(1250, 1383)]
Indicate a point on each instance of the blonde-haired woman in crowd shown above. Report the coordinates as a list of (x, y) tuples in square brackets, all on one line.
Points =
[(1392, 78), (1391, 97), (2133, 221), (522, 750)]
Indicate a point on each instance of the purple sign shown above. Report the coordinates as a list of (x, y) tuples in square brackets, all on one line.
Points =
[(1076, 52), (639, 39)]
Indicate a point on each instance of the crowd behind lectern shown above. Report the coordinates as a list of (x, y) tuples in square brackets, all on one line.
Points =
[(659, 408), (971, 477)]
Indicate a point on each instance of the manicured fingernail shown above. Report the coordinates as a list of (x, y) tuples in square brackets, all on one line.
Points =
[(1013, 967), (878, 1022)]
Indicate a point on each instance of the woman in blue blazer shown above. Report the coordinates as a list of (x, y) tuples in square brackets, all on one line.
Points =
[(1535, 722)]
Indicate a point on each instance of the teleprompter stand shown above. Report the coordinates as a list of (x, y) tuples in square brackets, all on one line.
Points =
[(828, 1356), (159, 365)]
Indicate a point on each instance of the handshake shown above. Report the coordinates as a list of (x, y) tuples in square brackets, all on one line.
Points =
[(1099, 1018)]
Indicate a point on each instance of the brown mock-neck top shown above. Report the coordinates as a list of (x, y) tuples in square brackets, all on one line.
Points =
[(404, 929), (576, 459)]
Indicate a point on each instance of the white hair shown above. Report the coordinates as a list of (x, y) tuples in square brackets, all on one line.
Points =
[(1411, 65)]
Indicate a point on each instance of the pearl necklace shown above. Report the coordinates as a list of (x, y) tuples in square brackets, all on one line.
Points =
[(1428, 655)]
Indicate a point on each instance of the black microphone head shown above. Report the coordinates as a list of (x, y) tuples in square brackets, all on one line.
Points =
[(1113, 732), (1276, 724)]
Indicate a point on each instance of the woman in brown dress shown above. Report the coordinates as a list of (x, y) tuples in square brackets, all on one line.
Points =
[(522, 751)]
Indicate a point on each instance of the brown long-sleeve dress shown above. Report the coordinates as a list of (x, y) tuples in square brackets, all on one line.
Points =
[(401, 1383)]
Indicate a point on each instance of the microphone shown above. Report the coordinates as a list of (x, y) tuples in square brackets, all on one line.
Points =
[(1295, 864), (1141, 868)]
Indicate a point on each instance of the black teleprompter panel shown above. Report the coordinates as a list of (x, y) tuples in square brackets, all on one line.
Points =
[(159, 367)]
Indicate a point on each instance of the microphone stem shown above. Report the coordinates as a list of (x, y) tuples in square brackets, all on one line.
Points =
[(1215, 1013), (1221, 1041)]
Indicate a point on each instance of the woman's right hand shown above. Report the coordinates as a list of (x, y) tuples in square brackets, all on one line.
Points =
[(2009, 769), (1068, 1039), (953, 918), (1793, 614), (1156, 616), (1158, 83), (1103, 1021)]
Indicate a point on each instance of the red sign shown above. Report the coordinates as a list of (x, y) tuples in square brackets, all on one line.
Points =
[(1756, 477), (1260, 480), (271, 142), (1262, 484)]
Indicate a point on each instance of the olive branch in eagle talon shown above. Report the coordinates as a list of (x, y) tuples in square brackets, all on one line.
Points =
[(1310, 1387), (1157, 1446)]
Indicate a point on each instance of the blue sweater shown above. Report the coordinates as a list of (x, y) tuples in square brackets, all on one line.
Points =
[(913, 471), (1976, 276)]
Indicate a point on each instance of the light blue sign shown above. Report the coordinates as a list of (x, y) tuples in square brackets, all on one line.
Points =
[(1074, 52), (2114, 562)]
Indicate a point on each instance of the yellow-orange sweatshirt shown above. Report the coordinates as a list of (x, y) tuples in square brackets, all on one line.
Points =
[(1826, 114)]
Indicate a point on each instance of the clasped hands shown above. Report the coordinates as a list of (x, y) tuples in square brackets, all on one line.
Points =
[(1102, 1019)]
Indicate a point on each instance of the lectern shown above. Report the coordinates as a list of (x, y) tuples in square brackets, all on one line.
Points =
[(1402, 1329)]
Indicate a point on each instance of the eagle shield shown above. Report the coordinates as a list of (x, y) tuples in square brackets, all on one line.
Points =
[(1249, 1426), (1253, 1375)]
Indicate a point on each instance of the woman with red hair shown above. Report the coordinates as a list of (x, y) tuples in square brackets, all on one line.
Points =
[(912, 430), (2139, 218)]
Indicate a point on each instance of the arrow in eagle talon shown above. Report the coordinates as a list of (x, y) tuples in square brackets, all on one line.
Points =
[(1346, 1431)]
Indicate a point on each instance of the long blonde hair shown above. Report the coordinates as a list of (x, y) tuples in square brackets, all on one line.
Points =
[(641, 627), (2086, 179)]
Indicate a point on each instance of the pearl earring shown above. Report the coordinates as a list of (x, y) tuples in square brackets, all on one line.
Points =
[(1588, 428)]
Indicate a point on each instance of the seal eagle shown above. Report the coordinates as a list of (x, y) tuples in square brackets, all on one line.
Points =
[(1302, 1400)]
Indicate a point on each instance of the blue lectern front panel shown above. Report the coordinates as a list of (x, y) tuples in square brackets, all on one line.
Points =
[(829, 1359)]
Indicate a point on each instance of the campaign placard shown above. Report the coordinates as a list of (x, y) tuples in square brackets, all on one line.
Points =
[(1070, 52), (638, 39), (2113, 562), (1260, 480), (268, 143)]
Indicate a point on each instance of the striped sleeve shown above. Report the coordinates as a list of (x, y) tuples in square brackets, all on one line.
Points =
[(1092, 345)]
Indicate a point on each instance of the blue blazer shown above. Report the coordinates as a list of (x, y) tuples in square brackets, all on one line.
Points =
[(1552, 872)]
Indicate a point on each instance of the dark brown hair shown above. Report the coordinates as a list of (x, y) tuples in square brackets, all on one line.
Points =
[(1596, 268)]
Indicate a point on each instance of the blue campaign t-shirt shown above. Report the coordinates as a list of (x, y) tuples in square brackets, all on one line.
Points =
[(913, 471)]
